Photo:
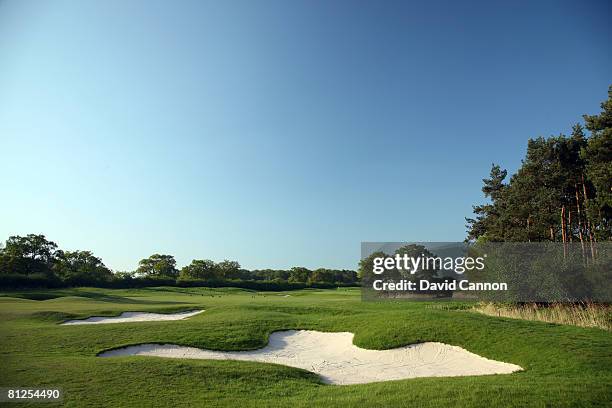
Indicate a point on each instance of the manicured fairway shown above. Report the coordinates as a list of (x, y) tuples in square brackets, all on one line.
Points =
[(564, 365)]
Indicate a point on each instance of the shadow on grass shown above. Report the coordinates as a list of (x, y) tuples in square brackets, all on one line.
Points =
[(97, 296)]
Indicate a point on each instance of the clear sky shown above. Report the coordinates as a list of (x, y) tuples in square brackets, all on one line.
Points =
[(277, 133)]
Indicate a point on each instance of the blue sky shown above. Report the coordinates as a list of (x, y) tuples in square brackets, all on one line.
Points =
[(277, 133)]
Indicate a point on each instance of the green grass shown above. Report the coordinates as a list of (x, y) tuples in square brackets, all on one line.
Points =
[(565, 366)]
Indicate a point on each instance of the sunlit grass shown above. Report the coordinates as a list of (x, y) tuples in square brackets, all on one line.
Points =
[(564, 365)]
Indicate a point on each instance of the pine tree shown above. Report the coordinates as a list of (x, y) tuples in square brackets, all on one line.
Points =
[(562, 191), (598, 157)]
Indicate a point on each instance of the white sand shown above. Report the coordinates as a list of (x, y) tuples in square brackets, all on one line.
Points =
[(334, 357), (128, 317)]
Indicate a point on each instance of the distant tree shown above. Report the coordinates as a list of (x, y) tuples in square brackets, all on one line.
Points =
[(200, 269), (535, 194), (366, 265), (158, 266), (244, 274), (280, 275), (32, 246), (345, 276), (270, 274), (125, 275), (487, 215), (81, 267), (322, 275), (299, 274), (228, 269), (416, 251), (28, 255)]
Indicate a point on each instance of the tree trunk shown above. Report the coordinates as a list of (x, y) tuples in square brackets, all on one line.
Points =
[(588, 222), (579, 220), (570, 230), (563, 232), (528, 235), (563, 224), (552, 235)]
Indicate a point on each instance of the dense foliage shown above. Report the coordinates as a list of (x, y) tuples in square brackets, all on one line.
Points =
[(34, 261), (562, 191)]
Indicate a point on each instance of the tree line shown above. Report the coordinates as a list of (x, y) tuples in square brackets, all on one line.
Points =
[(562, 192), (35, 261)]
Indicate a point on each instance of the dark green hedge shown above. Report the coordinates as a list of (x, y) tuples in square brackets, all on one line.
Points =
[(37, 281)]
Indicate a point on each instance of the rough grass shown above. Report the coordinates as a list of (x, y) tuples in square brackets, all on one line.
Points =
[(565, 366), (583, 315)]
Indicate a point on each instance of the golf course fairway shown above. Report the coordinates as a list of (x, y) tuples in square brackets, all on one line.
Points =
[(563, 366)]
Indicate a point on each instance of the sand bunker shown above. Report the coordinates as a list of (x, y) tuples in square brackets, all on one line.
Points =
[(128, 317), (334, 357)]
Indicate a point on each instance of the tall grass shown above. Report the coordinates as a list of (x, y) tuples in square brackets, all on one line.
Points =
[(584, 314)]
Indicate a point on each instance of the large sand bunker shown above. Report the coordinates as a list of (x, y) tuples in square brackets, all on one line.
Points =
[(334, 357), (128, 317)]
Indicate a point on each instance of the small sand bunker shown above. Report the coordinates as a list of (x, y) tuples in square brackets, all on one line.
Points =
[(334, 357), (129, 317)]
